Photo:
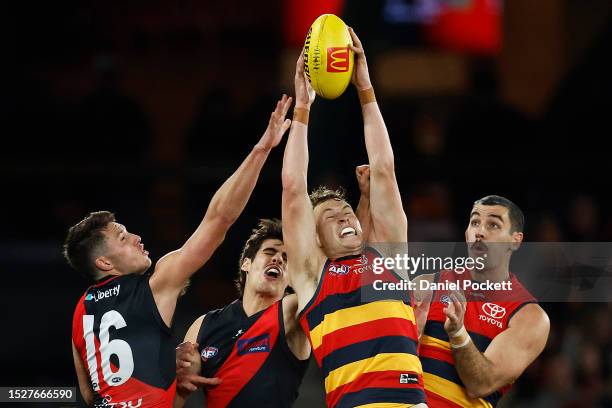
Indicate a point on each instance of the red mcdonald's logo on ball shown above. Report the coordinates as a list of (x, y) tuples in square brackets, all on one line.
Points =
[(337, 59)]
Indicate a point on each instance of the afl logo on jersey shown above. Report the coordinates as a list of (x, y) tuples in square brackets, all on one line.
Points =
[(208, 352), (445, 299), (338, 269)]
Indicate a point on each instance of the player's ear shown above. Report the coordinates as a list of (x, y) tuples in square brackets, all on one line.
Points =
[(246, 265), (104, 264), (517, 240)]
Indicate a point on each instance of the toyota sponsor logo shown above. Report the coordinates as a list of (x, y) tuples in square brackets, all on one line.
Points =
[(493, 310)]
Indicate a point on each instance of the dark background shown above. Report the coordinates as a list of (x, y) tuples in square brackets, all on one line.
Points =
[(145, 108)]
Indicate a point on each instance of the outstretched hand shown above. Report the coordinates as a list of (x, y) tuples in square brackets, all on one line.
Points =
[(361, 75), (277, 126), (304, 93), (455, 313)]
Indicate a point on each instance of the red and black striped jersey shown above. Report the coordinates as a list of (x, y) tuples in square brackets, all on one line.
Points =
[(365, 341), (487, 314), (251, 356), (125, 346)]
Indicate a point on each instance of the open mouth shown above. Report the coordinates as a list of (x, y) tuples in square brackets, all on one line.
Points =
[(144, 251), (479, 246), (347, 232), (272, 272)]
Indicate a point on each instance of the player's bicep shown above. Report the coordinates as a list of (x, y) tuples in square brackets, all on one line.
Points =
[(513, 350), (82, 376), (174, 269), (389, 222)]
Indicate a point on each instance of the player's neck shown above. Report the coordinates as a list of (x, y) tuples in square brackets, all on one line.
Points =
[(256, 302), (342, 254)]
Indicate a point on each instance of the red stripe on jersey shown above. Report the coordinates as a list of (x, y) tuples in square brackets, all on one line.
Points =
[(437, 401), (241, 369), (378, 379), (77, 324), (436, 353), (362, 332)]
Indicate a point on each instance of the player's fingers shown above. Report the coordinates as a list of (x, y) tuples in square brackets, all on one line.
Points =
[(355, 38), (186, 385), (286, 125), (299, 64), (287, 105), (183, 363), (458, 305), (205, 381), (449, 311), (183, 345)]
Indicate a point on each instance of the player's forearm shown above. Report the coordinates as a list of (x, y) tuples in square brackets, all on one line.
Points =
[(363, 214), (295, 161), (476, 371), (378, 144), (179, 400), (230, 200)]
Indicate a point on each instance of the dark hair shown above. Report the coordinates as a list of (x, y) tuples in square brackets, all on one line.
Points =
[(84, 240), (266, 229), (517, 219), (322, 194)]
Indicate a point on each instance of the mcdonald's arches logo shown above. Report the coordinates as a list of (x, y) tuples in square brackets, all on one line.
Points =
[(338, 59)]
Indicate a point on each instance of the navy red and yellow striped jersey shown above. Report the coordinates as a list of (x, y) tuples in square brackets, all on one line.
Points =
[(126, 348), (487, 315), (251, 356), (364, 341)]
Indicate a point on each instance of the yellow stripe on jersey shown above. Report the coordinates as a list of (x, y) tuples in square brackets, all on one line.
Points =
[(434, 342), (452, 392), (360, 314), (380, 362)]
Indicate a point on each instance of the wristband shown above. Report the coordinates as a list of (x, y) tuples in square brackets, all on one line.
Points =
[(301, 115), (458, 333), (462, 345), (366, 96)]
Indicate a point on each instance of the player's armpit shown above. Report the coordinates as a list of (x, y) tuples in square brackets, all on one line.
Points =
[(83, 378)]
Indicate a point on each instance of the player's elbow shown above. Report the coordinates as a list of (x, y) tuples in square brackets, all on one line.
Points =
[(383, 166), (476, 392), (293, 183), (479, 390), (87, 396), (485, 387)]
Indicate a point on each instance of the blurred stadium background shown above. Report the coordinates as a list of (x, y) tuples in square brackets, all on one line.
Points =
[(146, 107)]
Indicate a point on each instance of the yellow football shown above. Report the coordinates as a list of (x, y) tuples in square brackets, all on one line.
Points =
[(328, 61)]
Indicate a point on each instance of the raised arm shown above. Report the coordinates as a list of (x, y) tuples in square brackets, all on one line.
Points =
[(173, 270), (389, 222), (508, 355), (363, 207), (299, 231)]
